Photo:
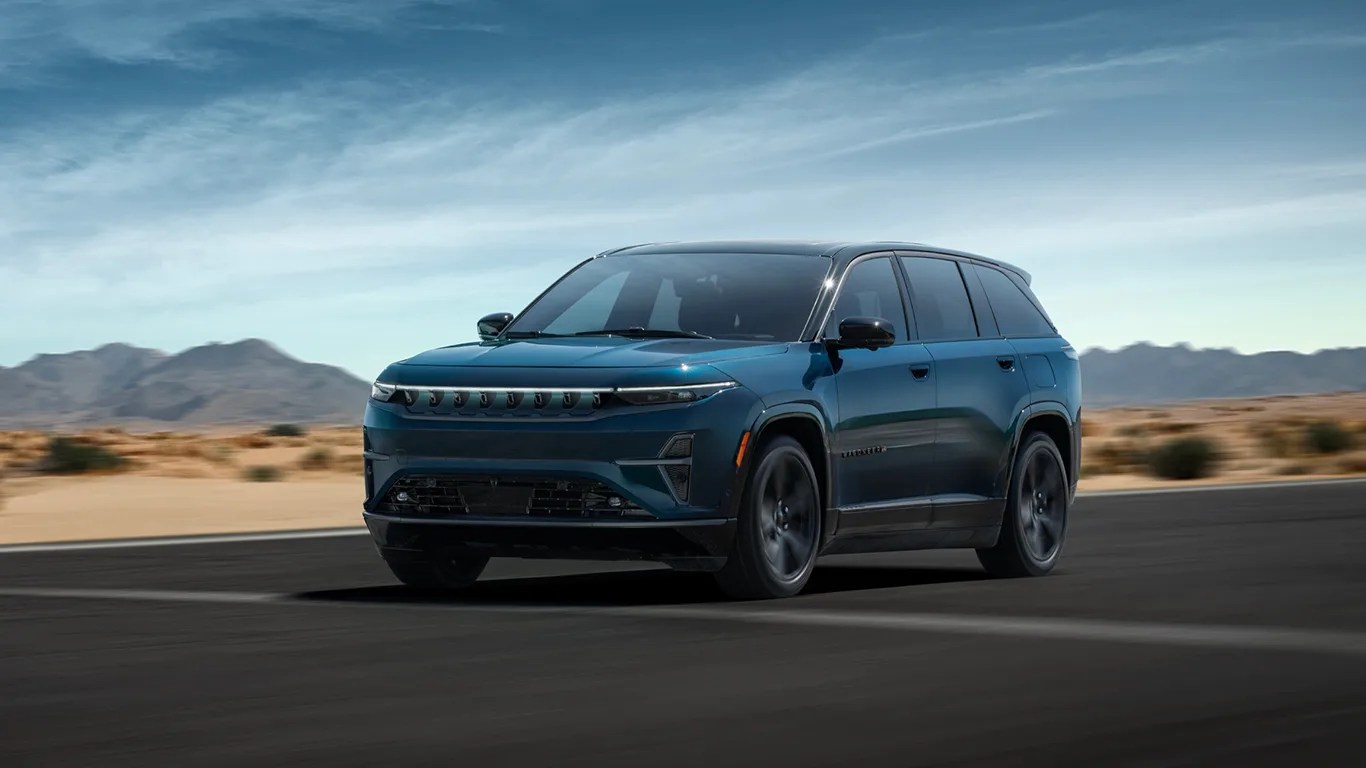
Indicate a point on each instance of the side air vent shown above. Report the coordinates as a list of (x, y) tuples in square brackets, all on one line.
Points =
[(678, 476), (677, 471), (680, 447)]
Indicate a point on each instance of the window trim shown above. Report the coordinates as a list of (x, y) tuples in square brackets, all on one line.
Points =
[(958, 263), (902, 289)]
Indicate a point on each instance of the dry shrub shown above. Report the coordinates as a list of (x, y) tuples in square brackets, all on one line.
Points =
[(285, 430), (317, 459), (1113, 457), (68, 455), (262, 474), (1091, 428), (1131, 430), (1294, 468), (1185, 458), (251, 441), (1326, 437)]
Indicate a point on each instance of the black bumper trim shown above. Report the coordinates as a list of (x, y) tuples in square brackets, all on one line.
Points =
[(548, 522), (696, 544)]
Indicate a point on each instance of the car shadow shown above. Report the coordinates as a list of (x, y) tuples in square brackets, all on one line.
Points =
[(634, 588)]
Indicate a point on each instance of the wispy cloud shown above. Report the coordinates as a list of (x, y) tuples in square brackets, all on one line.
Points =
[(38, 33)]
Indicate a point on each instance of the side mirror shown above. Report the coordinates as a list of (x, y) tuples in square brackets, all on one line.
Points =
[(492, 325), (865, 333)]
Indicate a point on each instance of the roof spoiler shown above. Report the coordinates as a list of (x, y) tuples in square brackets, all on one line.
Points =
[(1028, 278)]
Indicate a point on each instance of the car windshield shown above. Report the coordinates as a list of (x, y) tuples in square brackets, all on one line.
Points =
[(759, 297)]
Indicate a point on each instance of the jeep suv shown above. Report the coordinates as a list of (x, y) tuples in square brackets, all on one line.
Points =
[(738, 408)]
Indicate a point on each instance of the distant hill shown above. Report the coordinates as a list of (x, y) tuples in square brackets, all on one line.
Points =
[(1145, 373), (253, 382), (245, 382)]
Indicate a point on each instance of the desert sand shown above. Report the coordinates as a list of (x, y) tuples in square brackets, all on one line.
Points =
[(236, 480)]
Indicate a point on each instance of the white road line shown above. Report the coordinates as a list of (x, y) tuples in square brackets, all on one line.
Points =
[(1095, 630), (176, 541), (1228, 487), (142, 595), (330, 533)]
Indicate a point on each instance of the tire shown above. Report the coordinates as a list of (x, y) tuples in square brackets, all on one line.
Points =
[(438, 575), (779, 528), (1034, 524)]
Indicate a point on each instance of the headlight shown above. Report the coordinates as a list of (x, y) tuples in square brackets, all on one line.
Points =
[(685, 393), (383, 392)]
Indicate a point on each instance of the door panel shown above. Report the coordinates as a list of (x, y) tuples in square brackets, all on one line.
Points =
[(982, 394), (884, 438)]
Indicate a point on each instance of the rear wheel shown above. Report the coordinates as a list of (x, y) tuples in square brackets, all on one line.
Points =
[(1035, 522), (779, 528), (438, 575)]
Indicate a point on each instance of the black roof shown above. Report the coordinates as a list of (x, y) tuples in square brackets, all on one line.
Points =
[(825, 248)]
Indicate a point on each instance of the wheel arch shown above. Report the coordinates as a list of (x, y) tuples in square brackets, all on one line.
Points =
[(1054, 420), (807, 425)]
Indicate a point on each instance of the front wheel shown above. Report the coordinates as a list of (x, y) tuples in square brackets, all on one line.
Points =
[(1034, 525), (438, 575), (779, 529)]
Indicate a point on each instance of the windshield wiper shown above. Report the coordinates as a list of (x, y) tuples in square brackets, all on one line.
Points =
[(645, 333), (531, 335)]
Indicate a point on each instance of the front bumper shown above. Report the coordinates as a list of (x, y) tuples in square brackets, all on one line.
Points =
[(623, 455), (698, 544)]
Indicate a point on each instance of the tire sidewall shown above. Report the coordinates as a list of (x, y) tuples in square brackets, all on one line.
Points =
[(1037, 442), (750, 538)]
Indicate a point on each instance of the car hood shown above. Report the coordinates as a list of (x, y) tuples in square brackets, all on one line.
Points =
[(593, 352)]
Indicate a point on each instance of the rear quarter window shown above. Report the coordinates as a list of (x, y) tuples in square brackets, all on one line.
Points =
[(1016, 314)]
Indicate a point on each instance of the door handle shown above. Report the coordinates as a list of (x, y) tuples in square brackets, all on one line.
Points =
[(920, 371), (1006, 363)]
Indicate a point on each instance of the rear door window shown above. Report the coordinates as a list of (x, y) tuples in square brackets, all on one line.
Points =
[(939, 299), (1015, 314)]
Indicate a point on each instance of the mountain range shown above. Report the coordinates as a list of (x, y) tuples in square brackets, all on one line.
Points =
[(1146, 373), (252, 381), (248, 381)]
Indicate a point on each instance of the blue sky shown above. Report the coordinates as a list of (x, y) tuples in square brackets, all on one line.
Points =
[(357, 181)]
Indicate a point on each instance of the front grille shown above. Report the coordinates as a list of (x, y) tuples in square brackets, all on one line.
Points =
[(499, 403), (527, 497)]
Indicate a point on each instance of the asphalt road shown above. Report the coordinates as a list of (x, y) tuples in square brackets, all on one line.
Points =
[(1208, 628)]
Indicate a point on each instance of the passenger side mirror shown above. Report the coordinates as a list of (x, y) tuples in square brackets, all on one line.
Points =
[(492, 325), (865, 333)]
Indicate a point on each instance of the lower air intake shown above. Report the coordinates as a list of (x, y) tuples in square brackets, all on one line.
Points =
[(480, 496)]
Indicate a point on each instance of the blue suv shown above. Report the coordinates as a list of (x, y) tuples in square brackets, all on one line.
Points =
[(738, 408)]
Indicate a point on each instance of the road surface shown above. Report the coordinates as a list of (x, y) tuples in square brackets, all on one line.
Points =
[(1190, 628)]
